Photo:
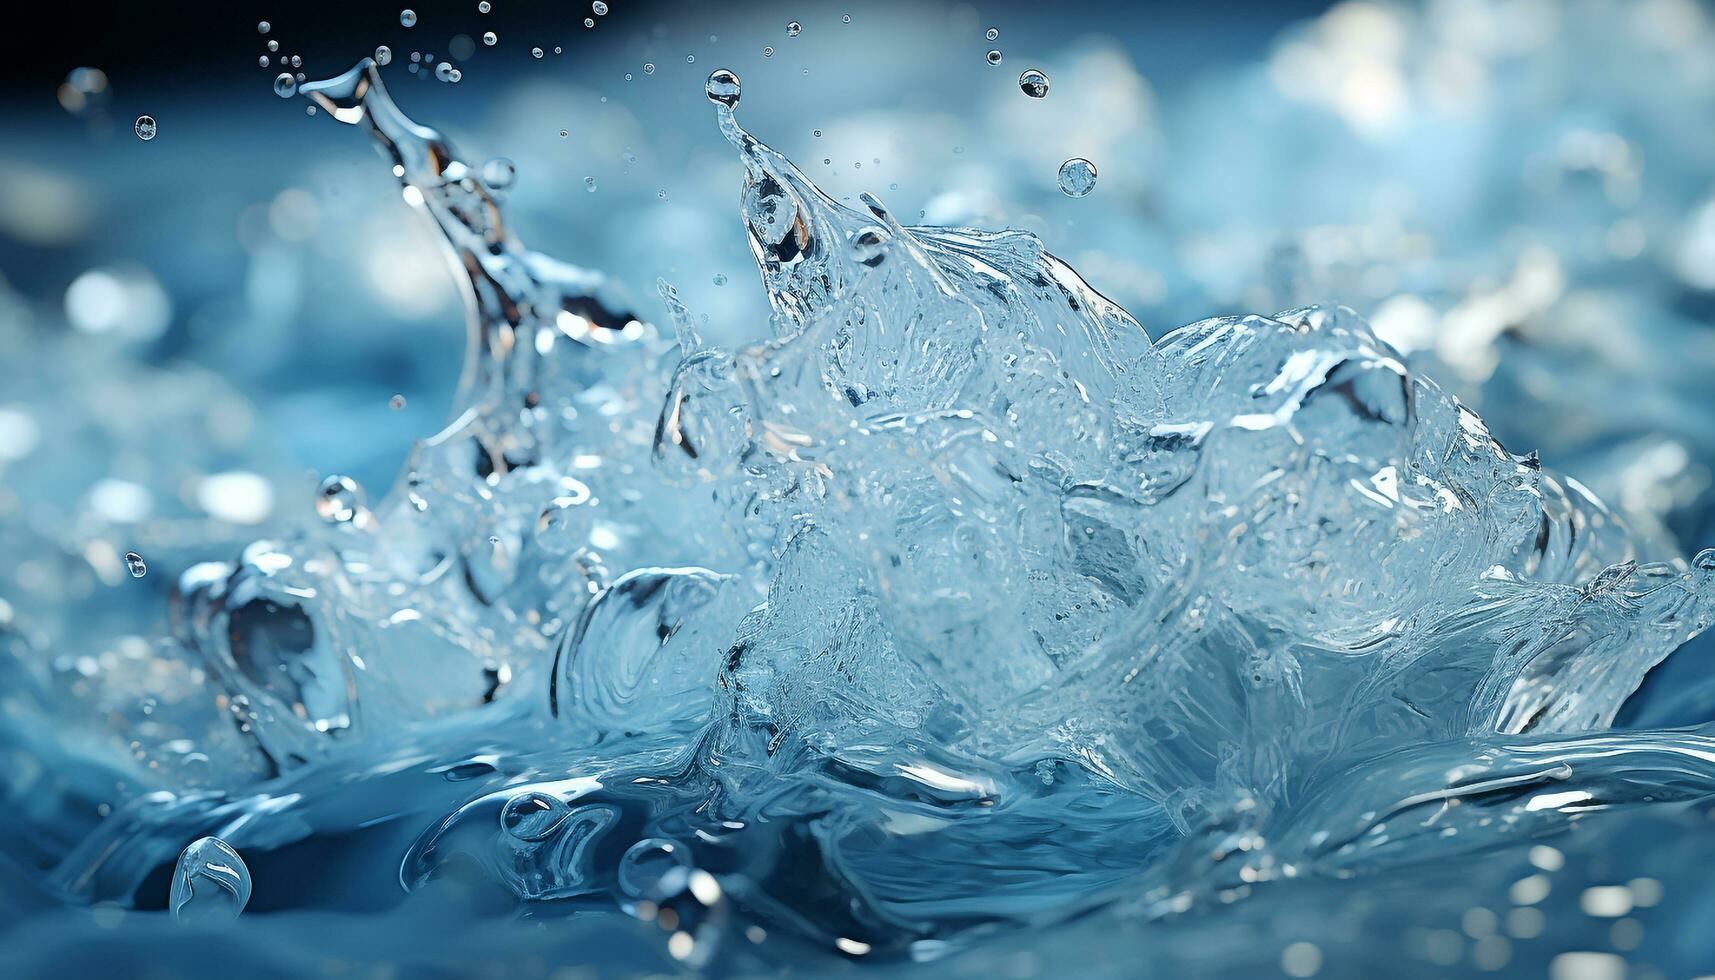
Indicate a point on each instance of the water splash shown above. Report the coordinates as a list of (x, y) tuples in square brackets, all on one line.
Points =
[(957, 606)]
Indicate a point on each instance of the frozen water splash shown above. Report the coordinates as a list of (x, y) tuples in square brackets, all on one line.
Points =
[(956, 603)]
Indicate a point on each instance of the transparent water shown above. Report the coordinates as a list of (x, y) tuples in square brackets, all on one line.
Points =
[(961, 626)]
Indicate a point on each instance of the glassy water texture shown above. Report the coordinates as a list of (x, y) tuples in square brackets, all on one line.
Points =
[(959, 626)]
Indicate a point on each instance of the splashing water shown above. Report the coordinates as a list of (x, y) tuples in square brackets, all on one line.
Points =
[(957, 614)]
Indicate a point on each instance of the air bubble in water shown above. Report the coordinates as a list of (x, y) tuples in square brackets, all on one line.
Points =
[(993, 33), (720, 279), (273, 45), (994, 56), (722, 88), (564, 134), (654, 869), (339, 499), (210, 884), (589, 184), (1077, 177), (263, 27), (648, 68), (408, 17), (297, 62), (793, 29), (384, 55), (690, 59), (134, 562), (869, 245), (847, 19), (767, 51), (262, 62), (490, 38), (589, 21), (599, 8), (444, 71), (1033, 82), (533, 816), (285, 86), (144, 127), (499, 172), (484, 7), (396, 402)]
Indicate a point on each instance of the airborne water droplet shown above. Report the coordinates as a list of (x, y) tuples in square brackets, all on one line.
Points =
[(1033, 82), (720, 279), (263, 27), (285, 86), (134, 562), (144, 127), (589, 184), (767, 51), (589, 21), (536, 52), (273, 45), (723, 88), (994, 56), (408, 17), (484, 7), (1077, 177), (793, 29), (498, 173), (396, 402), (648, 68), (490, 38), (211, 885), (444, 71), (339, 499), (533, 816), (993, 33), (600, 8), (262, 62), (383, 55)]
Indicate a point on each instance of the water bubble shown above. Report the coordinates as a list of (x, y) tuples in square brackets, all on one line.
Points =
[(263, 27), (654, 869), (535, 52), (484, 7), (384, 55), (557, 49), (690, 59), (134, 562), (869, 245), (793, 29), (490, 38), (599, 8), (648, 68), (1077, 177), (1033, 82), (767, 51), (262, 62), (564, 134), (444, 71), (992, 34), (144, 127), (662, 193), (589, 184), (396, 402), (722, 88), (339, 499), (994, 56), (533, 816), (499, 172), (720, 279), (210, 883), (589, 21), (408, 17), (816, 133), (273, 45), (297, 62), (847, 19), (285, 86)]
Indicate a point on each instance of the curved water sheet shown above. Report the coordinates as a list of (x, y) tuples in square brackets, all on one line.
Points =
[(955, 619)]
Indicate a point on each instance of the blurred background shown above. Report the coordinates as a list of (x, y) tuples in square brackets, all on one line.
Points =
[(195, 327)]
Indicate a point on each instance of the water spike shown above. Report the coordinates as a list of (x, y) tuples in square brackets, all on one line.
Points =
[(689, 340)]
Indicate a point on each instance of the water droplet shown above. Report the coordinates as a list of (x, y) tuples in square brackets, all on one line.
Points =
[(533, 816), (589, 21), (297, 62), (994, 56), (262, 62), (722, 88), (273, 45), (1077, 177), (847, 19), (589, 184), (869, 245), (144, 127), (599, 8), (210, 883), (535, 52), (499, 172), (654, 869), (793, 29), (339, 499), (648, 68), (396, 402), (408, 17), (628, 76), (767, 51), (285, 86), (263, 27), (444, 71), (993, 34), (662, 193), (1033, 82), (484, 7), (557, 49), (564, 134), (134, 562), (384, 55), (720, 279), (690, 59), (490, 38), (816, 133)]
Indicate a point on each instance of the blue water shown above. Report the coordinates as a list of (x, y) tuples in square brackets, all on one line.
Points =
[(961, 625)]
